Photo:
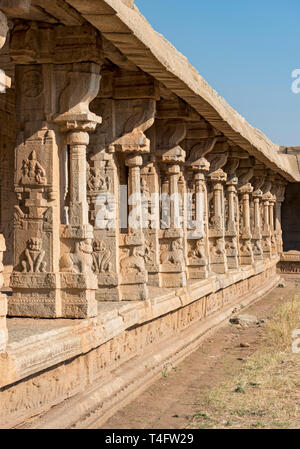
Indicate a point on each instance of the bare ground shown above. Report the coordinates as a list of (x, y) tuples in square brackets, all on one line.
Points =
[(224, 385)]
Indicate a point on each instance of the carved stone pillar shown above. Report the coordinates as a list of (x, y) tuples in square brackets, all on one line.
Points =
[(134, 276), (266, 232), (257, 225), (35, 278), (53, 275), (133, 118), (78, 282), (5, 83), (267, 248), (172, 240), (232, 214), (150, 206), (3, 301), (217, 178), (280, 191), (245, 189), (272, 203), (198, 244)]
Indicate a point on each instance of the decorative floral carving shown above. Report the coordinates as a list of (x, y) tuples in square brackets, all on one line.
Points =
[(101, 257)]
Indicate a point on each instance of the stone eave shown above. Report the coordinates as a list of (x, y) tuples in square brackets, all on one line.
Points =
[(130, 32)]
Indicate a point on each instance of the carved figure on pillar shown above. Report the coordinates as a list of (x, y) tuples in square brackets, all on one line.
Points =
[(172, 240), (217, 177), (198, 254), (257, 194), (231, 226), (245, 189)]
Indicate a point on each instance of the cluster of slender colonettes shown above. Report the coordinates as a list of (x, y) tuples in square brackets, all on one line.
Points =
[(97, 143)]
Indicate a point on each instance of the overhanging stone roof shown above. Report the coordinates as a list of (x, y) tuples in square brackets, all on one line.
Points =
[(130, 32)]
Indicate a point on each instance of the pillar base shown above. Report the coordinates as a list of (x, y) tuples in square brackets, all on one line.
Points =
[(134, 292), (219, 268), (232, 262), (172, 279), (35, 295), (3, 328), (78, 295), (198, 270)]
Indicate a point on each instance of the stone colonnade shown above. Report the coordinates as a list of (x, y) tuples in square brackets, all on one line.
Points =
[(5, 84), (120, 185)]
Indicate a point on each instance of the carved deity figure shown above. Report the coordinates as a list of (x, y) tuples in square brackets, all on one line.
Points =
[(33, 170), (101, 257), (79, 261), (96, 181), (134, 263), (33, 257), (174, 255)]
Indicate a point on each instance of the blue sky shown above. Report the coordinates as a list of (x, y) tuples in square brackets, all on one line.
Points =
[(246, 50)]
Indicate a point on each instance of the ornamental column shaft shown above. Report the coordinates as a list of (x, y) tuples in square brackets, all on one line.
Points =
[(217, 177), (245, 189), (232, 212), (257, 224)]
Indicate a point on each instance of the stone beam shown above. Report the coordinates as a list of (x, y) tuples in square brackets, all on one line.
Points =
[(14, 7)]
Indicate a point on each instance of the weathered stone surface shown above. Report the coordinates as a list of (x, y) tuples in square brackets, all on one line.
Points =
[(138, 208)]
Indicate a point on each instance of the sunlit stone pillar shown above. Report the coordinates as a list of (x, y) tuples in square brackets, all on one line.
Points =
[(245, 189), (75, 121), (216, 178), (3, 301), (198, 252), (267, 251), (280, 191), (231, 225), (172, 233), (257, 225), (5, 83), (133, 118), (272, 203)]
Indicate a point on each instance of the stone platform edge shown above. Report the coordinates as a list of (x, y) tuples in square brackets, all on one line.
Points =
[(44, 370)]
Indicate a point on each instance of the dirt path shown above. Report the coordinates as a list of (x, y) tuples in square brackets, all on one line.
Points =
[(172, 401)]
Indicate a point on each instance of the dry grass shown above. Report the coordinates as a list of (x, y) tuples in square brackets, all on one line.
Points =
[(266, 392)]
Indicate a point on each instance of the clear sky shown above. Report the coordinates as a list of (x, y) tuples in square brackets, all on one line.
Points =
[(245, 49)]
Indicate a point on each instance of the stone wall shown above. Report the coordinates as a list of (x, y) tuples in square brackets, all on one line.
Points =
[(103, 377)]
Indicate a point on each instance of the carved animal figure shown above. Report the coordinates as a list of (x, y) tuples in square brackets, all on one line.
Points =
[(80, 261), (199, 251), (257, 248), (219, 248), (134, 263), (246, 247), (174, 255), (231, 247), (33, 257)]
